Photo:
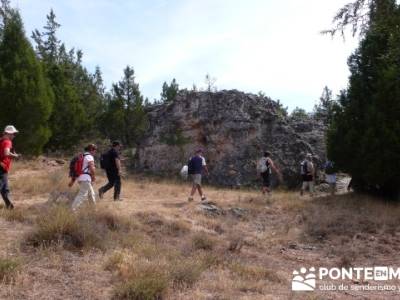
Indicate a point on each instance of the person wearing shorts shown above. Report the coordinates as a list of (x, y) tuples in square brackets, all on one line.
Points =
[(266, 165), (307, 175), (196, 166)]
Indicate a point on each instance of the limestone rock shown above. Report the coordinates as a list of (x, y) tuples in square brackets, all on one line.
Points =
[(234, 128), (238, 212), (210, 208)]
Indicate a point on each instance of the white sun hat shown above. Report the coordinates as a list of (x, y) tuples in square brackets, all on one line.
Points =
[(10, 129)]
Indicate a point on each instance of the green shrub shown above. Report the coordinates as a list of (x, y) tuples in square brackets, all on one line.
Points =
[(8, 268), (145, 284), (60, 225), (185, 273)]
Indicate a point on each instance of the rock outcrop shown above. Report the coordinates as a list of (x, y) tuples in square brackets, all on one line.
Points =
[(234, 129)]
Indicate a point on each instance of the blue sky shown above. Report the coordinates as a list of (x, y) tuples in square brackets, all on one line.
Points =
[(272, 46)]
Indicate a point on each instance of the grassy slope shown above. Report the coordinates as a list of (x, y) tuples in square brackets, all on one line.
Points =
[(155, 244)]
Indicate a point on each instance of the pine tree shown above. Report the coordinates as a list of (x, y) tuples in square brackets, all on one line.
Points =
[(125, 118), (79, 95), (364, 138), (299, 113), (47, 43), (169, 92), (324, 109), (25, 95)]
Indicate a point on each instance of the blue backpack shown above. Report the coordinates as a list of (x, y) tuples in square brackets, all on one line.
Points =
[(193, 163), (329, 168)]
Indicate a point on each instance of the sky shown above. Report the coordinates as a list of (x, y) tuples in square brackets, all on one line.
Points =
[(273, 46)]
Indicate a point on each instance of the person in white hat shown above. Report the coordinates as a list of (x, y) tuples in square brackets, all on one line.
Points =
[(6, 155)]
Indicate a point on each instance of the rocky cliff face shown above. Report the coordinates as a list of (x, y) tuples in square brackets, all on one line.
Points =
[(234, 129)]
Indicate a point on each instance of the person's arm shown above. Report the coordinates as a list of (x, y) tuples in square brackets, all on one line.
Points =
[(206, 170), (7, 152), (312, 170), (118, 164), (92, 169), (276, 170), (205, 166)]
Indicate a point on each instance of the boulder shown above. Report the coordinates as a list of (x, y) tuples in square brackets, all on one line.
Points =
[(233, 128), (210, 208), (238, 212)]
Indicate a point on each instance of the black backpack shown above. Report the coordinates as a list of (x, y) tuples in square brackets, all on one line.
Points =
[(190, 166), (304, 168), (105, 160)]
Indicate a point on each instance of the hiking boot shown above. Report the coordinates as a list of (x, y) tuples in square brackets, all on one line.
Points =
[(203, 198), (10, 206), (190, 199), (101, 194)]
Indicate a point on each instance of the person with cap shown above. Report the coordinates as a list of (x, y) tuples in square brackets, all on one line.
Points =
[(86, 178), (111, 163), (6, 155), (307, 175), (265, 167), (196, 166)]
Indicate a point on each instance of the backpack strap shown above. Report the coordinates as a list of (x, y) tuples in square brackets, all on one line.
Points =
[(87, 168)]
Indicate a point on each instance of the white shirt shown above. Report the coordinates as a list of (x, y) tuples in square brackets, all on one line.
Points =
[(85, 168), (203, 161)]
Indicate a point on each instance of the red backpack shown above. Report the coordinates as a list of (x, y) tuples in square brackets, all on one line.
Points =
[(76, 166)]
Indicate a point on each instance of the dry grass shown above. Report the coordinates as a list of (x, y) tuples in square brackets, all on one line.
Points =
[(185, 273), (114, 262), (255, 273), (8, 269), (89, 228), (15, 215), (143, 280), (202, 241), (39, 183), (236, 242), (158, 225), (156, 245), (346, 216)]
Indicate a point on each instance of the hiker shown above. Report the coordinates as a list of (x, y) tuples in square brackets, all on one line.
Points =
[(196, 165), (307, 175), (111, 163), (86, 177), (330, 175), (264, 168), (6, 155)]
